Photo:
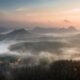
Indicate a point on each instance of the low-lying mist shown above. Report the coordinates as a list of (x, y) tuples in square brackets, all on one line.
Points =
[(34, 51), (41, 58)]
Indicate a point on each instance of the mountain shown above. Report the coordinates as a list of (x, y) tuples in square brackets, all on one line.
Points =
[(53, 30), (32, 35), (71, 28), (22, 34), (42, 30), (18, 34)]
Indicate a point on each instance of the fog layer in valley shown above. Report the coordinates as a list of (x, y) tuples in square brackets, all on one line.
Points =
[(29, 55), (35, 48)]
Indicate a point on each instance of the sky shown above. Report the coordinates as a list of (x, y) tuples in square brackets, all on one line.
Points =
[(44, 13)]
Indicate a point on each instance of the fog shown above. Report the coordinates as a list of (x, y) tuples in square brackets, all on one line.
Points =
[(34, 51), (22, 55)]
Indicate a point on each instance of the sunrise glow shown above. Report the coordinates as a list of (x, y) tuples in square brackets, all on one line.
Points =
[(51, 13)]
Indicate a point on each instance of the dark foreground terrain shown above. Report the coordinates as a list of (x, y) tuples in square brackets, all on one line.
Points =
[(59, 70)]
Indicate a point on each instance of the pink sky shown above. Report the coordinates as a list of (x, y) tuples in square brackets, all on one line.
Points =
[(52, 13)]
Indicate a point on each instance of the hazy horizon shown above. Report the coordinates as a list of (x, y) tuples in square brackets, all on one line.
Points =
[(44, 13)]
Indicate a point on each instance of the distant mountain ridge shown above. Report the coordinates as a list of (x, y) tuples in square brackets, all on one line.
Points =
[(23, 34), (52, 30), (17, 34)]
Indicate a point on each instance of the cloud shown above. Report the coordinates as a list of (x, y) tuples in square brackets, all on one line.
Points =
[(21, 9), (72, 11)]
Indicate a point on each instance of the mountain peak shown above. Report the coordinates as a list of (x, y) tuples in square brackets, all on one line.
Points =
[(18, 31), (71, 28)]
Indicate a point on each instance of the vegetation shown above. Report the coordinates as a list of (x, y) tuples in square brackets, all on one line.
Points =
[(59, 70)]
